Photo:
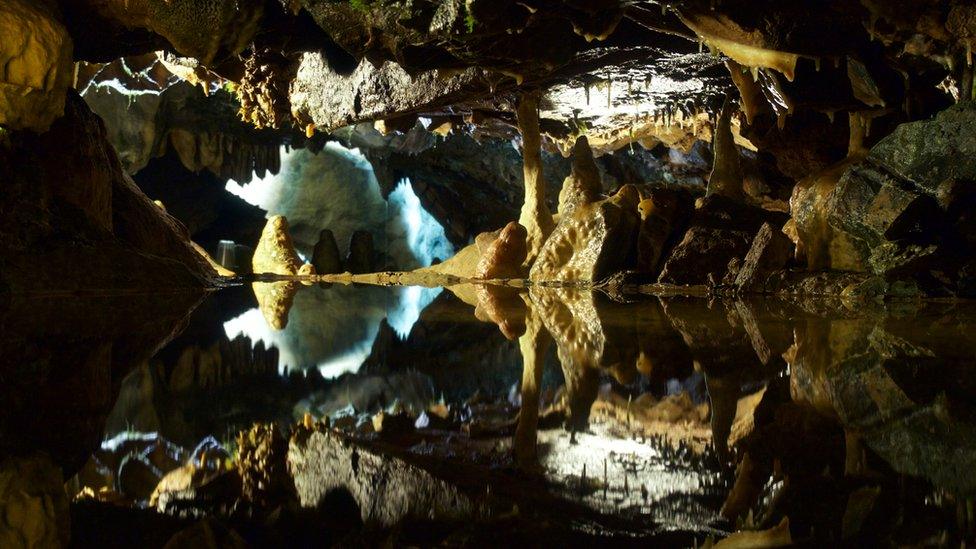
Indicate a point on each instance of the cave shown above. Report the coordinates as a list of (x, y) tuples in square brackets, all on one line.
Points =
[(325, 273)]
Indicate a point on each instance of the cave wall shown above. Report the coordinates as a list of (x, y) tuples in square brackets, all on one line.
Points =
[(73, 220)]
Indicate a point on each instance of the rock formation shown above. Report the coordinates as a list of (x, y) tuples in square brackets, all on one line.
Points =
[(583, 185), (535, 215), (359, 259), (36, 56), (70, 204), (325, 256), (592, 243), (275, 253)]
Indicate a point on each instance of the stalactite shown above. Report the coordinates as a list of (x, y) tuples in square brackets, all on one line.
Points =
[(535, 215), (726, 176)]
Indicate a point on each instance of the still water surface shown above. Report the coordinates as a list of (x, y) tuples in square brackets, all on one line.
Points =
[(675, 418)]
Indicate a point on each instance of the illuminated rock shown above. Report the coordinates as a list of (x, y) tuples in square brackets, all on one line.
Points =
[(726, 177), (583, 185), (771, 250), (36, 66), (503, 258), (275, 252), (592, 243), (33, 503), (904, 209), (275, 300), (535, 215)]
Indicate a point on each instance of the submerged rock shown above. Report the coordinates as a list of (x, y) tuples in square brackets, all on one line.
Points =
[(592, 243), (275, 252)]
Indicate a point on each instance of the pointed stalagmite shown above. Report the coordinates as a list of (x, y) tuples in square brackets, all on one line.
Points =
[(726, 176), (275, 252), (583, 185), (535, 216)]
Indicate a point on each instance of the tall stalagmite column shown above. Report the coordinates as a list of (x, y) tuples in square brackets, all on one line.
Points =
[(535, 216)]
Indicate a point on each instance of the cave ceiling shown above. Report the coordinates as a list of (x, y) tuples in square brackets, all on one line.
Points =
[(620, 72)]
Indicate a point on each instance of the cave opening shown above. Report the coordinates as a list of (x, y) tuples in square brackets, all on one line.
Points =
[(485, 272)]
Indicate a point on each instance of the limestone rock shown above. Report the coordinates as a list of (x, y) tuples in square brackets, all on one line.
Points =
[(771, 250), (36, 66), (591, 244), (720, 229), (535, 215), (726, 177), (503, 258), (275, 252), (893, 213), (359, 260), (325, 256), (33, 503), (275, 300)]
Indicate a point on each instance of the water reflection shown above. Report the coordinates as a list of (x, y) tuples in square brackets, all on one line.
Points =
[(656, 417), (331, 328)]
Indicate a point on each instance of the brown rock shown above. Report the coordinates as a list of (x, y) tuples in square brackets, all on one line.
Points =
[(771, 250), (720, 229), (325, 256), (583, 185), (503, 258), (360, 257)]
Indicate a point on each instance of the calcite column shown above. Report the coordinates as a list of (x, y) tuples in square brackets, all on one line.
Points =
[(535, 216)]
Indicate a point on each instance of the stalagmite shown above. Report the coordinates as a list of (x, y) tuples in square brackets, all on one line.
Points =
[(325, 256), (726, 176), (535, 216), (583, 185), (275, 252)]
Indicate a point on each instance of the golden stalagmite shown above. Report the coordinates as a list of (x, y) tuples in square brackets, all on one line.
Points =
[(535, 215), (36, 66), (726, 177), (275, 253), (592, 243), (583, 185)]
